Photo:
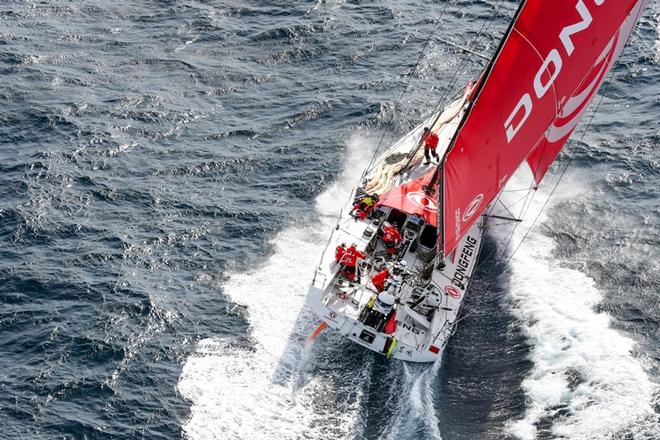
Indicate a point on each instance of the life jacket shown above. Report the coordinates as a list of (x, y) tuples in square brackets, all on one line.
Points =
[(351, 256), (339, 253), (378, 280)]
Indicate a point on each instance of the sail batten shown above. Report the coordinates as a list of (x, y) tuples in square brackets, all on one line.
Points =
[(549, 66)]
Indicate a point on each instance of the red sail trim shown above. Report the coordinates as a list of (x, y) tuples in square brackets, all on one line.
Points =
[(549, 52), (567, 120), (411, 199)]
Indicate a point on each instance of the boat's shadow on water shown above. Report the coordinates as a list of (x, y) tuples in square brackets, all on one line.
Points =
[(339, 376), (302, 361), (486, 360)]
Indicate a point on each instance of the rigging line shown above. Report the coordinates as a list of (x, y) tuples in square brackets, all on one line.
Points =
[(511, 205), (411, 74), (463, 48), (515, 227), (516, 190), (506, 207), (485, 26), (554, 188), (513, 231)]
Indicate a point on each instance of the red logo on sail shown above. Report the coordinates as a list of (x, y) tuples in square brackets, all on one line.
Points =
[(472, 207), (570, 114), (421, 200)]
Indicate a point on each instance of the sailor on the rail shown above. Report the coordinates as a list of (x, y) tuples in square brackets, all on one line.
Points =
[(349, 261), (339, 252), (362, 206), (380, 279), (430, 140)]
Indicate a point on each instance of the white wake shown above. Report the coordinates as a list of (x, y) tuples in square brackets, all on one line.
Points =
[(584, 376), (254, 391)]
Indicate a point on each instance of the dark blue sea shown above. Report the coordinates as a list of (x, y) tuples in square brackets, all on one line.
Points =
[(171, 170)]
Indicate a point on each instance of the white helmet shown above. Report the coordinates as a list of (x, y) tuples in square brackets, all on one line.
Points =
[(387, 298)]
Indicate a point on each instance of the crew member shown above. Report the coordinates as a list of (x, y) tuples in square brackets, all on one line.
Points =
[(391, 237), (430, 140), (379, 279), (339, 252), (363, 206), (380, 310), (349, 263)]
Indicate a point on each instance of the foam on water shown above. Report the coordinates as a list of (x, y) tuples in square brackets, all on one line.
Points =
[(585, 382), (422, 397), (254, 390), (412, 402)]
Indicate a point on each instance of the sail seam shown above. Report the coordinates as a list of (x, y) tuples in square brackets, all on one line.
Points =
[(554, 90)]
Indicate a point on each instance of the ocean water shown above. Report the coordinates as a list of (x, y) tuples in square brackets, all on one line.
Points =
[(169, 173)]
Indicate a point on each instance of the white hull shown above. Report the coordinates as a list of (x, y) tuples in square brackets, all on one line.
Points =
[(421, 333)]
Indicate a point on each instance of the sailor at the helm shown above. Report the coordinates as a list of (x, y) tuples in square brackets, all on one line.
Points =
[(377, 316), (385, 301)]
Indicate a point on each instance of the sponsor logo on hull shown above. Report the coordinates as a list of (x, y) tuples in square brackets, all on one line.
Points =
[(461, 275), (453, 292)]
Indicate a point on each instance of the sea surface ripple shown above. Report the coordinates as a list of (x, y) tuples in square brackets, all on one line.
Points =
[(170, 170)]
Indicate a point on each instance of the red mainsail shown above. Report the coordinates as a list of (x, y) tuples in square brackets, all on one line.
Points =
[(547, 69), (563, 125)]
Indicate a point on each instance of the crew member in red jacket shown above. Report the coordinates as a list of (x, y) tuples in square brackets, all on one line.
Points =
[(379, 279), (430, 140), (391, 237), (339, 252), (349, 263)]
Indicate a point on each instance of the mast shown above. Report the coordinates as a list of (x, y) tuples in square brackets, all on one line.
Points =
[(475, 94)]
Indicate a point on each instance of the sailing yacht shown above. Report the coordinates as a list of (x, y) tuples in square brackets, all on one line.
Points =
[(402, 297)]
